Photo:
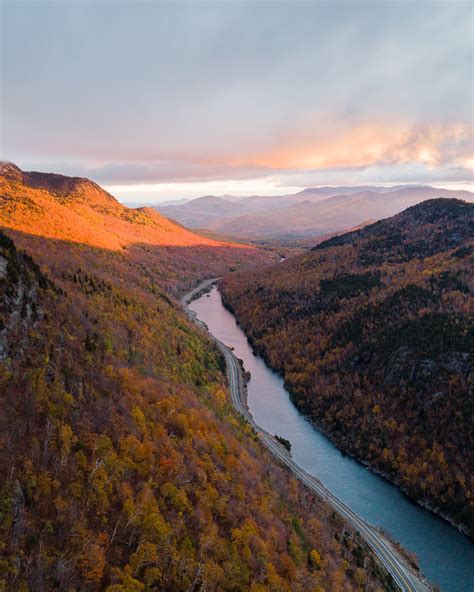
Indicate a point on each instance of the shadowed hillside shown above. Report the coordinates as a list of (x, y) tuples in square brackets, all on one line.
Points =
[(373, 332)]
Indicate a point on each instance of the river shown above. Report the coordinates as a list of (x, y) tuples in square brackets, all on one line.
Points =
[(446, 556)]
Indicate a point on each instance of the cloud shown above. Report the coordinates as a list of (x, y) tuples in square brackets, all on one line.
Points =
[(330, 144), (160, 171), (162, 93), (330, 148), (379, 173)]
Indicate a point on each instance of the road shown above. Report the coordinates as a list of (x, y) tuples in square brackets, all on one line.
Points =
[(388, 555)]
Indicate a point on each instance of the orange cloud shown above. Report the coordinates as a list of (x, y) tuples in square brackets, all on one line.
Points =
[(367, 144)]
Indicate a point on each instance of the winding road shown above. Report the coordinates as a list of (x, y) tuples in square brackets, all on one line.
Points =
[(396, 565)]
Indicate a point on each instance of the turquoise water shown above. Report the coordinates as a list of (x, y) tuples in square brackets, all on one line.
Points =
[(445, 555)]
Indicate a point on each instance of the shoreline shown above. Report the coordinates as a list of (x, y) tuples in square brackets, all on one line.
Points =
[(426, 505)]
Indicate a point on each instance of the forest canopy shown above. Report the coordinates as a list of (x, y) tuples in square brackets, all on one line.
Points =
[(373, 332)]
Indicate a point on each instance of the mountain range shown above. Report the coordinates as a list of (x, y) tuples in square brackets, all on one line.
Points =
[(308, 213), (77, 210)]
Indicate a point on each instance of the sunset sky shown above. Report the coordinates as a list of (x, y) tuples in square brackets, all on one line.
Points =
[(157, 100)]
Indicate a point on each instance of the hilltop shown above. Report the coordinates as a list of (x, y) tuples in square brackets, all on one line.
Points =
[(65, 189), (48, 209), (373, 332)]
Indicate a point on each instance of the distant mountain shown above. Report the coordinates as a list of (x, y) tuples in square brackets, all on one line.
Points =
[(202, 211), (312, 212), (173, 202), (348, 190), (258, 203), (373, 333), (170, 202), (263, 203), (328, 214)]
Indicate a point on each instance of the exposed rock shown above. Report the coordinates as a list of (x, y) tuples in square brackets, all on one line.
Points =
[(404, 366), (3, 268), (457, 362)]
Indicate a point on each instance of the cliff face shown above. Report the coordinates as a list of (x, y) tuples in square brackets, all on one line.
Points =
[(20, 281), (373, 332)]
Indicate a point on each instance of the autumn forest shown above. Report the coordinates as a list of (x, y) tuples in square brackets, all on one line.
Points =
[(124, 467), (373, 333)]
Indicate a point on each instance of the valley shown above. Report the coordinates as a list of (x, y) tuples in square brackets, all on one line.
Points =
[(124, 464), (128, 435), (236, 296)]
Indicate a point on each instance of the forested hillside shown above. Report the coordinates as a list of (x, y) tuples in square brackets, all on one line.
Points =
[(373, 332), (53, 209), (123, 466)]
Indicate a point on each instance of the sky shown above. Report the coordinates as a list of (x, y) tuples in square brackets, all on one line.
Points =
[(156, 100)]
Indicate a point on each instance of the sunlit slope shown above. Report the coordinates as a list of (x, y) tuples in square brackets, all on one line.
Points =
[(76, 209), (45, 211)]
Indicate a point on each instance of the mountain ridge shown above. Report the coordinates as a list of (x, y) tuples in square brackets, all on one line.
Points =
[(75, 208), (431, 211), (310, 212), (57, 184), (90, 218), (332, 214)]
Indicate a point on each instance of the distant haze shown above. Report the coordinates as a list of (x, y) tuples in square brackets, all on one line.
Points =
[(309, 213)]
